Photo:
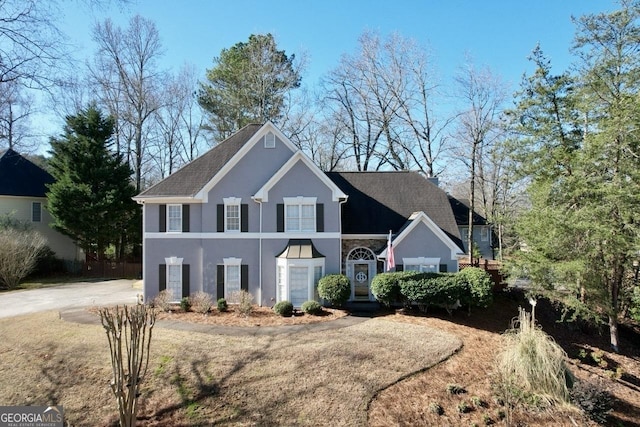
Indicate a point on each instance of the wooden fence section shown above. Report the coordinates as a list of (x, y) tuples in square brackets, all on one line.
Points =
[(490, 266), (112, 270)]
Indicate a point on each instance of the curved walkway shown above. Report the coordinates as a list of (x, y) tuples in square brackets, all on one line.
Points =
[(82, 316)]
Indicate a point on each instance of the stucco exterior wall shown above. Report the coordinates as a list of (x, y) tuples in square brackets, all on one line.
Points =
[(422, 242)]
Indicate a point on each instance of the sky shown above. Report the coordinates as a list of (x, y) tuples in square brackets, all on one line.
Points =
[(498, 34)]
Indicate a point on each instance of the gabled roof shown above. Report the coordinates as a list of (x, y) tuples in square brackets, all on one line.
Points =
[(383, 201), (263, 193), (461, 213), (194, 176), (20, 177)]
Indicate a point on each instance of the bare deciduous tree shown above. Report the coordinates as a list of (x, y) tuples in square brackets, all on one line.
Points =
[(129, 331), (15, 111)]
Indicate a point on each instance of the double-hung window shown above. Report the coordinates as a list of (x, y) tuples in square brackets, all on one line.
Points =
[(300, 214), (174, 218), (232, 276), (36, 212), (174, 277), (232, 214)]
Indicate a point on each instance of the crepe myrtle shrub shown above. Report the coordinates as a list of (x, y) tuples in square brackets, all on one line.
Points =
[(201, 302), (312, 307), (476, 287), (334, 288), (163, 300), (283, 308)]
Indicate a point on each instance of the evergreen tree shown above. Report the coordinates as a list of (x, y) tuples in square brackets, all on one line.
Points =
[(91, 198), (248, 84), (583, 227)]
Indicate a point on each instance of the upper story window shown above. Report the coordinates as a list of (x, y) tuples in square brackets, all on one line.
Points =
[(232, 214), (174, 218), (270, 140), (300, 214), (36, 212)]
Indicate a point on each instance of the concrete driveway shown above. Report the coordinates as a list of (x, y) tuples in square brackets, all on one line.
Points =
[(69, 296)]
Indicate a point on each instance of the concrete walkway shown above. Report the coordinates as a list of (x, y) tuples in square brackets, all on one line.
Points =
[(82, 316)]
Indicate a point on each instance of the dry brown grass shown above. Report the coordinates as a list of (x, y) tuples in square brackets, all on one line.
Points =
[(315, 378)]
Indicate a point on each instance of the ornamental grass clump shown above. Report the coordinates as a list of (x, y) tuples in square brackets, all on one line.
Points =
[(531, 367)]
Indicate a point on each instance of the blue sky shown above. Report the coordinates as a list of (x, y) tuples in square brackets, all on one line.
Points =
[(497, 33)]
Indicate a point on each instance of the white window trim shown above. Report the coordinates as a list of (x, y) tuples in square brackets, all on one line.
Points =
[(232, 262), (173, 262), (422, 262), (32, 206), (169, 230), (310, 264), (299, 201), (232, 201), (270, 140)]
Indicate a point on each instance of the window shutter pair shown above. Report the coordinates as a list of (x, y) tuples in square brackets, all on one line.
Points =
[(162, 218), (319, 217), (162, 278), (244, 279), (244, 218)]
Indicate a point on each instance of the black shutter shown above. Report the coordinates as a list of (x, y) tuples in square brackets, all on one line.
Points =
[(320, 217), (220, 217), (399, 267), (244, 218), (162, 277), (280, 218), (185, 218), (443, 268), (185, 280), (220, 281), (244, 277), (162, 218)]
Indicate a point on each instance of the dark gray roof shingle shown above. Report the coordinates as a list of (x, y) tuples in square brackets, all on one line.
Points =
[(187, 181), (383, 201), (461, 213), (20, 177)]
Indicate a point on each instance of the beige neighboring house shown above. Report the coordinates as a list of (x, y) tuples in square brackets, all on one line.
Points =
[(23, 187)]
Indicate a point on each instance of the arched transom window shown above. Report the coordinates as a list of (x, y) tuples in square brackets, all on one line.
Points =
[(361, 254)]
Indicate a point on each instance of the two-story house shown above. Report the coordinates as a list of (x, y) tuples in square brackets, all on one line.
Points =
[(23, 188), (254, 213)]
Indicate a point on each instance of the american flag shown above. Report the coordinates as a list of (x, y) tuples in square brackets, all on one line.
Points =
[(391, 262)]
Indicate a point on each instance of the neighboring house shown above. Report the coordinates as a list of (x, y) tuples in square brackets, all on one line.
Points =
[(254, 213), (482, 231), (23, 187)]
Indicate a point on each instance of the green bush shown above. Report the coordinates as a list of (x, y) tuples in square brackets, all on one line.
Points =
[(334, 288), (312, 307), (385, 287), (222, 305), (283, 308), (478, 284), (593, 398), (185, 304), (634, 306)]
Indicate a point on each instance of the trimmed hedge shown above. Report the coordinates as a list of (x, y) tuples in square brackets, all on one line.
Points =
[(335, 288), (470, 287), (312, 307), (283, 308)]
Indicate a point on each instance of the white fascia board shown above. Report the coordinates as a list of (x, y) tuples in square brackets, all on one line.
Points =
[(267, 127), (167, 200), (365, 236), (238, 236), (263, 193)]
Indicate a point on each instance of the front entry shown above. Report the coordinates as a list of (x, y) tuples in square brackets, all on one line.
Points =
[(361, 267)]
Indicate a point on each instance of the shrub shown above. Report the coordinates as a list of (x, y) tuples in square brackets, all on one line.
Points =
[(436, 408), (201, 302), (312, 307), (593, 399), (163, 300), (478, 284), (185, 304), (244, 300), (385, 287), (222, 305), (19, 252), (335, 288), (283, 308), (464, 407), (455, 389), (634, 306), (532, 366)]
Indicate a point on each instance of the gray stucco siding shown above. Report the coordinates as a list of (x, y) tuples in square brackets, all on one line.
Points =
[(216, 250), (301, 181), (422, 242), (156, 252), (152, 217)]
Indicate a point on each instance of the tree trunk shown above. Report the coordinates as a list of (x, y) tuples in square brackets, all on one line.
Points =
[(613, 332)]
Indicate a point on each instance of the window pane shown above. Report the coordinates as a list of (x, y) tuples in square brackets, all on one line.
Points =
[(298, 285), (293, 218), (232, 279), (410, 267), (233, 217), (175, 217), (174, 281), (36, 212)]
